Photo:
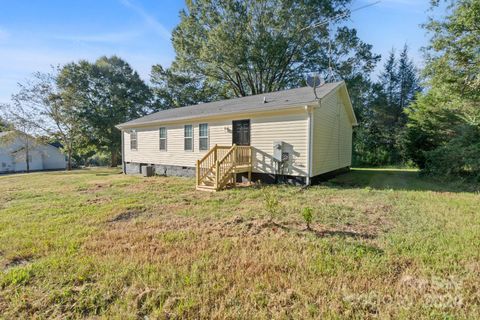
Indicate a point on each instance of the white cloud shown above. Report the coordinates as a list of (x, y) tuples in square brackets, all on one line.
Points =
[(148, 19)]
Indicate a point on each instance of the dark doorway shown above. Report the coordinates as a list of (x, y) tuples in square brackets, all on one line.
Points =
[(241, 132)]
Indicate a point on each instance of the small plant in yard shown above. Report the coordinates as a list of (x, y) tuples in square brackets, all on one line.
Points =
[(307, 214), (271, 203)]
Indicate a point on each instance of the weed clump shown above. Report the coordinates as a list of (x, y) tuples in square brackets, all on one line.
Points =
[(271, 203), (307, 215)]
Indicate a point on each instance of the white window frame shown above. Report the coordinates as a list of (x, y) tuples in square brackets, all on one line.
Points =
[(132, 133), (185, 138), (160, 138), (200, 137)]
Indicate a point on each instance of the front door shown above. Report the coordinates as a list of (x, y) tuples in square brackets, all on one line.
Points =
[(241, 132)]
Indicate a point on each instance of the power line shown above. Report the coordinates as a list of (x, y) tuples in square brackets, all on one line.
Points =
[(331, 75), (340, 16)]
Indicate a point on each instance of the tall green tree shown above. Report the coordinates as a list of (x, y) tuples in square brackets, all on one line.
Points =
[(389, 79), (104, 94), (408, 81), (379, 139), (258, 46), (174, 89), (400, 84), (387, 106), (444, 124)]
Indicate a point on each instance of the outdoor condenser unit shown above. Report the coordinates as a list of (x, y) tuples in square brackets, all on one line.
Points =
[(148, 171)]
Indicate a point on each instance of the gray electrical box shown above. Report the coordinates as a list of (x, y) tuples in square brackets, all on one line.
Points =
[(278, 149)]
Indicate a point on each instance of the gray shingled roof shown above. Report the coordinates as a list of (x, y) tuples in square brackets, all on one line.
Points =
[(275, 101)]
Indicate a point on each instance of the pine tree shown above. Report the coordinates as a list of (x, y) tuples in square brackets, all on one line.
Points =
[(396, 89), (389, 80), (408, 80)]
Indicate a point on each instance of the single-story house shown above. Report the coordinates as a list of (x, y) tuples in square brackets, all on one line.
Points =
[(16, 148), (297, 135)]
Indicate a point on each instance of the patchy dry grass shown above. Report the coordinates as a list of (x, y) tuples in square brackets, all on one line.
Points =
[(383, 244)]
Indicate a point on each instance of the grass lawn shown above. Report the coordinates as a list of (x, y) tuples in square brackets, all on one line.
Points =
[(96, 243)]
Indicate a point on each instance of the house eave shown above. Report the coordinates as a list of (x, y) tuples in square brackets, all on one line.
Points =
[(259, 112)]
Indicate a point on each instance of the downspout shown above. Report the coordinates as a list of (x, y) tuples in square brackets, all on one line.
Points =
[(309, 110), (123, 153)]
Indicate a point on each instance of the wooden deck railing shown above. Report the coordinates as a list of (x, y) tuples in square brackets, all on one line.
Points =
[(220, 165)]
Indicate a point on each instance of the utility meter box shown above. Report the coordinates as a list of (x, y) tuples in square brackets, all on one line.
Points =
[(278, 149)]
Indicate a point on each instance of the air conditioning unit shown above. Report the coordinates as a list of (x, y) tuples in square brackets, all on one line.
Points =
[(148, 171)]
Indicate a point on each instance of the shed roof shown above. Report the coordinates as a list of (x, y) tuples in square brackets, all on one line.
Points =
[(274, 101)]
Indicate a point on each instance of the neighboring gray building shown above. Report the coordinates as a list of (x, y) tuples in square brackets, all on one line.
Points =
[(13, 154)]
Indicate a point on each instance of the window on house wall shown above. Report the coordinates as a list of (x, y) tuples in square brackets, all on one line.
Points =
[(188, 137), (203, 136), (133, 140), (163, 139)]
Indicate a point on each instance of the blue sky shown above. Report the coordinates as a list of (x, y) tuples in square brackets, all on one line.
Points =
[(37, 34)]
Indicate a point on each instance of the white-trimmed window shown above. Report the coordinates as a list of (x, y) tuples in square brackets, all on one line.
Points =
[(188, 137), (203, 136), (133, 140), (163, 138)]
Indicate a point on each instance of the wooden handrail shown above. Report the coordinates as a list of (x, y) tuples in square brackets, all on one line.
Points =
[(202, 176), (214, 149), (223, 169), (233, 148)]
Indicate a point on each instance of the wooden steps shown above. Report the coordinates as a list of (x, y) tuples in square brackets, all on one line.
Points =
[(218, 169)]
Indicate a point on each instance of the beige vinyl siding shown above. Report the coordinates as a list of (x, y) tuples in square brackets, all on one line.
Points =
[(332, 138), (290, 128)]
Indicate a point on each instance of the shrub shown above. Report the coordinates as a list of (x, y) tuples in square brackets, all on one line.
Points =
[(307, 214), (458, 157), (271, 203)]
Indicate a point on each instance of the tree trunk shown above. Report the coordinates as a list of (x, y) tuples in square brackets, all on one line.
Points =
[(69, 161), (113, 159), (27, 153)]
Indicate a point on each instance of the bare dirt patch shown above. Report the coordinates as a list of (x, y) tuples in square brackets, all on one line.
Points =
[(17, 262), (94, 187), (99, 200), (180, 237), (126, 215)]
